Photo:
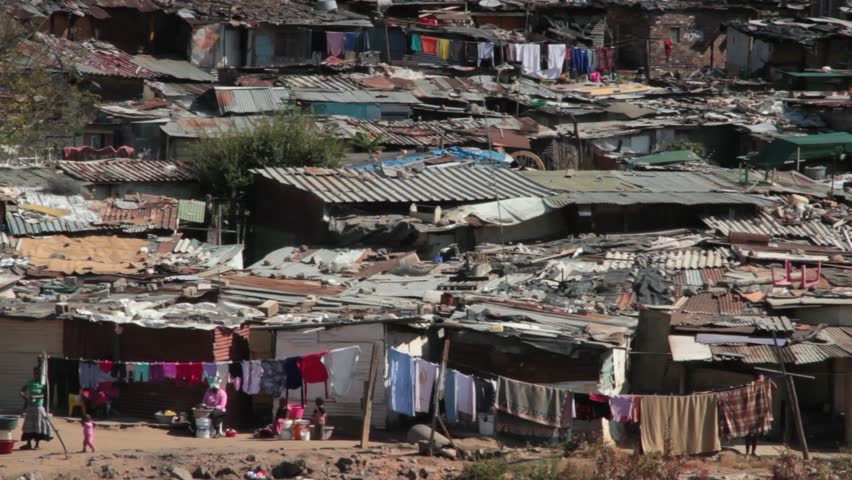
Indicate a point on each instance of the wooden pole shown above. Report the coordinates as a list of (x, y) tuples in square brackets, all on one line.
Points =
[(793, 399), (44, 373), (438, 393), (368, 396)]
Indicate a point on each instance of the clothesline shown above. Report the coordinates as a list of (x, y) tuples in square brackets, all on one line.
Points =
[(274, 376), (734, 411)]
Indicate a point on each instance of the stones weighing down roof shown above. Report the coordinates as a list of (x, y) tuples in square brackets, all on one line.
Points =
[(804, 31), (293, 12), (435, 184), (127, 170)]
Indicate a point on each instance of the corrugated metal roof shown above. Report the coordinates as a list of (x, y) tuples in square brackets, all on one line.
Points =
[(191, 211), (20, 227), (764, 223), (840, 336), (174, 89), (90, 57), (157, 215), (174, 68), (648, 198), (251, 100), (715, 304), (762, 323), (357, 96), (671, 260), (436, 184), (335, 83), (797, 354), (199, 127), (127, 170)]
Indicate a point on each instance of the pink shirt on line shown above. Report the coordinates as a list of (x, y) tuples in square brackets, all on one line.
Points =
[(217, 400)]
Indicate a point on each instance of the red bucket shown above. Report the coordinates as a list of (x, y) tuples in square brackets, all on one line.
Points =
[(6, 446), (296, 411)]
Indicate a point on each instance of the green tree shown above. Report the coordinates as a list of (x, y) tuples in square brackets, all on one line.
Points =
[(40, 97), (223, 164)]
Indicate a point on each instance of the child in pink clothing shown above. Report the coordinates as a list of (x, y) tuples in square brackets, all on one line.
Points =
[(88, 433)]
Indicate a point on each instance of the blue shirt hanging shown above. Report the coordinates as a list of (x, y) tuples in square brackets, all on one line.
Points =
[(401, 376), (450, 403)]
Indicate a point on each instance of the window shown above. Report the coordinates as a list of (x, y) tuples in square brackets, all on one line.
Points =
[(674, 34)]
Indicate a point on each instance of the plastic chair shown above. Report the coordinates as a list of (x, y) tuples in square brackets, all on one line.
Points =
[(76, 401)]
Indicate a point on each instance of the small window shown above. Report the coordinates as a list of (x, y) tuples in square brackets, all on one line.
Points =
[(674, 34)]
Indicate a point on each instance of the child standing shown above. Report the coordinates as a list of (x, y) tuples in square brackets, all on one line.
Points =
[(88, 433)]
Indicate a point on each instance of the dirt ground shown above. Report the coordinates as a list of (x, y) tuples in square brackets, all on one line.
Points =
[(142, 452)]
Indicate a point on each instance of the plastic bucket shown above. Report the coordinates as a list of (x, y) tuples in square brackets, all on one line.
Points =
[(325, 432), (296, 411), (8, 422), (6, 446), (201, 412), (202, 428), (7, 435), (486, 424), (305, 434)]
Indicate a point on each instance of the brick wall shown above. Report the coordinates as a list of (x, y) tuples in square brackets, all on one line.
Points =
[(697, 36)]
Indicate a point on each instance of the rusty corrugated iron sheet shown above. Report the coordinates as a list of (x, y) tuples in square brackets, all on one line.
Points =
[(715, 304), (127, 170), (149, 216)]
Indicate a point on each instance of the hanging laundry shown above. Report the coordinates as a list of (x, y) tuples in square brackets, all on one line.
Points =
[(130, 368), (222, 372), (484, 51), (189, 372), (341, 364), (537, 403), (334, 42), (350, 41), (118, 370), (105, 366), (210, 370), (363, 42), (457, 51), (426, 373), (314, 371), (635, 409), (157, 372), (89, 374), (450, 403), (416, 43), (530, 58), (170, 370), (687, 424), (430, 44), (235, 375), (401, 379), (252, 373), (592, 61), (465, 394), (591, 406), (142, 372), (486, 391), (621, 407), (747, 410), (555, 60), (471, 53), (513, 52), (443, 49), (274, 379)]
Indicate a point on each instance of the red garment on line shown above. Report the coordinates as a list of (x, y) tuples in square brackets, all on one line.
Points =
[(430, 44), (105, 366), (313, 370), (190, 372)]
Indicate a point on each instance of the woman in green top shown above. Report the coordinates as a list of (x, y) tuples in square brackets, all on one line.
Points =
[(36, 425)]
